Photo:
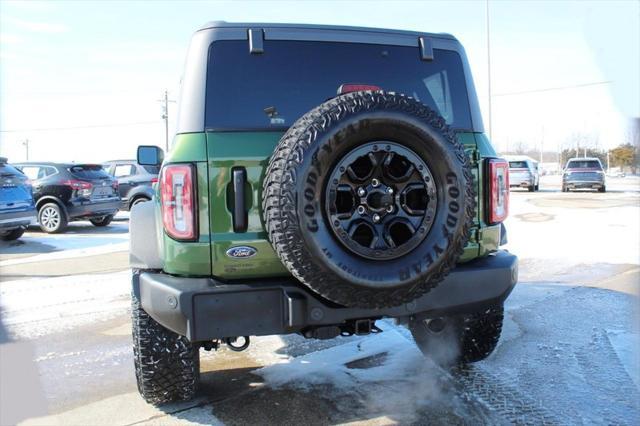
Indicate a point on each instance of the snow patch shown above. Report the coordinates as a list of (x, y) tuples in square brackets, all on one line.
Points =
[(37, 307)]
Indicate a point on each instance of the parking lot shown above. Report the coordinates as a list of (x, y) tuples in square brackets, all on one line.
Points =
[(568, 354)]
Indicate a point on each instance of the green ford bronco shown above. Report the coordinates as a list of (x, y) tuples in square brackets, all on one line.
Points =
[(321, 178)]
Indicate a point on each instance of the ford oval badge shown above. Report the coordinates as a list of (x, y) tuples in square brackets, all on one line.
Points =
[(241, 252)]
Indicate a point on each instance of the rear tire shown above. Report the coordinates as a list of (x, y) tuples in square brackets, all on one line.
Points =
[(103, 221), (537, 187), (603, 189), (459, 340), (531, 188), (167, 365), (52, 219), (481, 334), (12, 235)]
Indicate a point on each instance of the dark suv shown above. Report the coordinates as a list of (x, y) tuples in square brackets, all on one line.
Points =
[(321, 178), (135, 182), (67, 192)]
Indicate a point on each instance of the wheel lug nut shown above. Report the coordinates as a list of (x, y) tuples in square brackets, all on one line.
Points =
[(390, 190), (361, 192), (376, 218), (362, 210), (375, 183)]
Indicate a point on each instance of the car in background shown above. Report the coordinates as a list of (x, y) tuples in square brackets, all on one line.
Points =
[(583, 173), (135, 182), (68, 192), (523, 173), (17, 209)]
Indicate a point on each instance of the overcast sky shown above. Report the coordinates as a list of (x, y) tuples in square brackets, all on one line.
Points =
[(81, 80)]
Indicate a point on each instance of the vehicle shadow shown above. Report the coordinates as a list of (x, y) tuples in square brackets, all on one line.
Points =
[(22, 247), (86, 228)]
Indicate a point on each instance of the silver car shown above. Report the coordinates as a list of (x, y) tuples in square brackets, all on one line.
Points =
[(583, 173), (523, 173)]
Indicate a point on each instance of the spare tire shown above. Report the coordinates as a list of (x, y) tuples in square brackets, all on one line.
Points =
[(368, 199)]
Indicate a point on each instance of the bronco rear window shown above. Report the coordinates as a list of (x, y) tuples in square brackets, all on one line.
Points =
[(584, 164), (273, 89)]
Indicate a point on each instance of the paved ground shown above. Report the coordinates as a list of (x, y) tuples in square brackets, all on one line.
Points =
[(569, 351)]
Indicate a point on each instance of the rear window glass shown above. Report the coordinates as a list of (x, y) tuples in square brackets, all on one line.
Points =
[(272, 90), (88, 172), (123, 170), (154, 170), (518, 165), (8, 171), (584, 164)]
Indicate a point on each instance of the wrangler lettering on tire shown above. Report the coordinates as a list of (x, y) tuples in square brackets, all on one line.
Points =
[(368, 199)]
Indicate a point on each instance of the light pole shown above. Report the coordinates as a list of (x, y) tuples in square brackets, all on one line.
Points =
[(26, 147), (165, 117)]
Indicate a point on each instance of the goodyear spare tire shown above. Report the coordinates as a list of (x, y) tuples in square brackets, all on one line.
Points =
[(368, 199)]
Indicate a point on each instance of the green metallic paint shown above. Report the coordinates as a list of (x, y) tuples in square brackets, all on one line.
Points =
[(471, 249), (250, 150), (187, 147), (215, 154), (190, 258), (490, 235)]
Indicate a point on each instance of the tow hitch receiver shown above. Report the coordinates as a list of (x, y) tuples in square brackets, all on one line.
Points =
[(229, 341), (360, 328)]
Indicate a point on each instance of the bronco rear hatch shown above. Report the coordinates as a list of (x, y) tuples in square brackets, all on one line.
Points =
[(253, 98)]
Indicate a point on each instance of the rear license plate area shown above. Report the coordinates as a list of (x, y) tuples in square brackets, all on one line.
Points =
[(102, 192), (221, 314)]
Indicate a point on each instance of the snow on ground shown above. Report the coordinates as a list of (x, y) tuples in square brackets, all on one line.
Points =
[(37, 307), (575, 235), (81, 239)]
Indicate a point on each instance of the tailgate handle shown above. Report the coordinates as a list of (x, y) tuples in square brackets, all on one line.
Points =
[(240, 216)]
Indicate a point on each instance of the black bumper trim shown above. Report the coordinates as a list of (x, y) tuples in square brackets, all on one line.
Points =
[(204, 309), (90, 209)]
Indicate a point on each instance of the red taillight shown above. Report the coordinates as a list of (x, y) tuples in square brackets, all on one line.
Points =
[(498, 190), (77, 184), (154, 180), (351, 87), (178, 201)]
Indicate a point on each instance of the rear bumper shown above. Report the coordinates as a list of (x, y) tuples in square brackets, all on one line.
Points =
[(583, 183), (14, 220), (80, 209), (515, 181), (204, 309)]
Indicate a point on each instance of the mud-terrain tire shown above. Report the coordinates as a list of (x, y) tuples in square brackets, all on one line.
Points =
[(461, 339), (12, 235), (480, 335), (167, 365), (295, 198), (103, 221)]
